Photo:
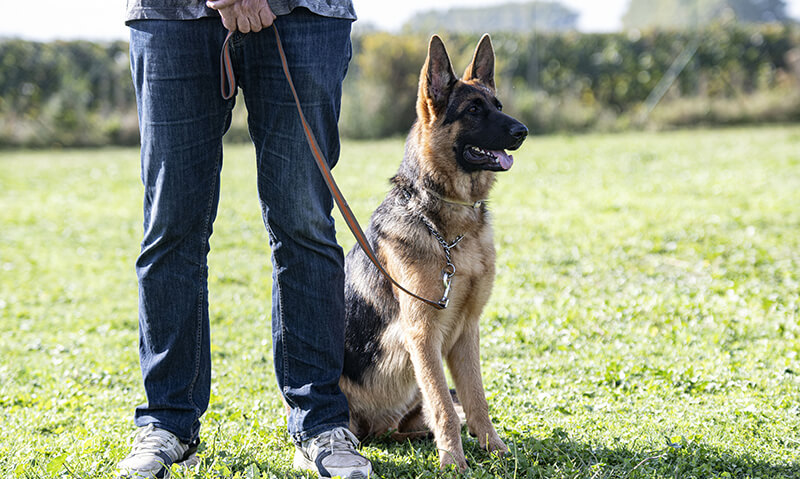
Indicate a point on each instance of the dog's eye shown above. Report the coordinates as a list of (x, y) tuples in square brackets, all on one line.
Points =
[(473, 109)]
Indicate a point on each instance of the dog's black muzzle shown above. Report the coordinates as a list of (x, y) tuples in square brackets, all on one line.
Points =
[(519, 132)]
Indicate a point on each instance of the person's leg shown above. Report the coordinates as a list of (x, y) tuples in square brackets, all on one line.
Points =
[(182, 117), (308, 287)]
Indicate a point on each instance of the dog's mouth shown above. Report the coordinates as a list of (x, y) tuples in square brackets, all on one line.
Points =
[(494, 160)]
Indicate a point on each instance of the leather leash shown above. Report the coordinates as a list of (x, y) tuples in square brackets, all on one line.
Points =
[(228, 86)]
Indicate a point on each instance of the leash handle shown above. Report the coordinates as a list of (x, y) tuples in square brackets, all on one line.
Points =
[(226, 76), (227, 79)]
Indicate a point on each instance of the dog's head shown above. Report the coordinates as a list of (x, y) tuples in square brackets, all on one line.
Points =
[(465, 112)]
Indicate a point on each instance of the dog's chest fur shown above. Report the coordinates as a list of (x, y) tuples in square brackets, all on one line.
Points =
[(377, 358)]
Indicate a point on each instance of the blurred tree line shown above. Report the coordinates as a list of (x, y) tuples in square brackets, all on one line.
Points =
[(80, 93), (66, 93), (578, 82)]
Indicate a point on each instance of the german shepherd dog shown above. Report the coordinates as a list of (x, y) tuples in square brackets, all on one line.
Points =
[(393, 376)]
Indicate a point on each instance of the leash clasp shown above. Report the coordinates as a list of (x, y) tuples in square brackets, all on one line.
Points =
[(449, 269), (448, 272)]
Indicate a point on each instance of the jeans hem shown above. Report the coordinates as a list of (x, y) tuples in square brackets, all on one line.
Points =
[(299, 437), (173, 430)]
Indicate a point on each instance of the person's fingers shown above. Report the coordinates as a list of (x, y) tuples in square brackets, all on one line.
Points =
[(266, 16), (217, 4), (255, 24), (229, 24), (239, 15), (243, 24)]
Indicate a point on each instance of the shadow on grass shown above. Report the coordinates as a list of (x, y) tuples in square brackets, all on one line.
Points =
[(558, 456)]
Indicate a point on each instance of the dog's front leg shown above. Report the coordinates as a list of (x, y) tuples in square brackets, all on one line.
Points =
[(464, 363), (424, 345)]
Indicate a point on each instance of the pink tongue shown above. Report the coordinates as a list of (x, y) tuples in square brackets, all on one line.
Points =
[(504, 159)]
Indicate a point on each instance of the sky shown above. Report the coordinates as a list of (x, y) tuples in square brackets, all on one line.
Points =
[(103, 19)]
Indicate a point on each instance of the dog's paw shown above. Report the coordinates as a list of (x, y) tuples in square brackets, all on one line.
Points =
[(497, 446), (448, 460), (491, 442)]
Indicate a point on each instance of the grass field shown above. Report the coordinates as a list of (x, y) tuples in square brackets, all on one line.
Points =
[(644, 321)]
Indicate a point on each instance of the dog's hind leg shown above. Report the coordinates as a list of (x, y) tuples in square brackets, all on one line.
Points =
[(463, 361), (459, 408), (413, 425)]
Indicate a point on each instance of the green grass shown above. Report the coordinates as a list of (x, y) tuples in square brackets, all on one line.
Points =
[(644, 321)]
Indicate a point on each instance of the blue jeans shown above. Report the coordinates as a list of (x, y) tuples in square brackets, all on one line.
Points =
[(182, 118)]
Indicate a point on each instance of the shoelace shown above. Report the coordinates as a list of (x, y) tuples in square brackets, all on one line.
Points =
[(152, 441), (338, 440)]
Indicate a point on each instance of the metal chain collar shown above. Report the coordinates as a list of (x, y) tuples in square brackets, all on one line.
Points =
[(449, 269)]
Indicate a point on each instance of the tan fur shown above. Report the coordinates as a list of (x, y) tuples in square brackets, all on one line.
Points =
[(405, 394)]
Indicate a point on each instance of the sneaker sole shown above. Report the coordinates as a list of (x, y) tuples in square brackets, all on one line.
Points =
[(301, 462), (190, 461)]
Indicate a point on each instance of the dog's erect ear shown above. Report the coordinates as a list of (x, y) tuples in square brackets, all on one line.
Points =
[(482, 66), (436, 79)]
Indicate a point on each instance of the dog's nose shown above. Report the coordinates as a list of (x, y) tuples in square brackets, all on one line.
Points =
[(519, 131)]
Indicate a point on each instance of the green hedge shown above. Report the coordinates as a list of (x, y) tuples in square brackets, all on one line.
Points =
[(66, 93), (572, 81), (80, 93)]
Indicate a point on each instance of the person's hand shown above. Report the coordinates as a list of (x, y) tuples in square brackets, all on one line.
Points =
[(243, 15)]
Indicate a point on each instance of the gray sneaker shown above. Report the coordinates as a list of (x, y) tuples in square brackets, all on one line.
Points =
[(333, 454), (154, 451)]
